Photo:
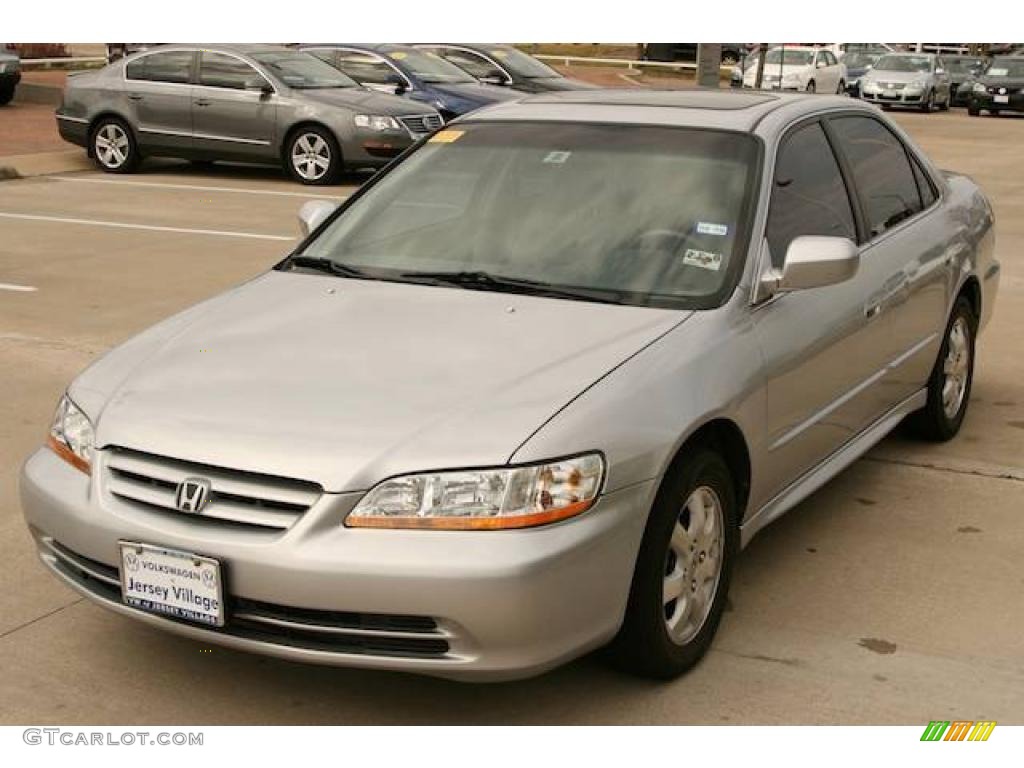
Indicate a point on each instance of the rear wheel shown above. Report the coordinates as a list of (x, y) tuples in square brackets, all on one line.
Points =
[(312, 156), (682, 571), (973, 111), (114, 147), (949, 386), (6, 94)]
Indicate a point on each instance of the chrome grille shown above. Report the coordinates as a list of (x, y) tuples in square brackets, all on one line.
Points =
[(420, 124), (240, 498)]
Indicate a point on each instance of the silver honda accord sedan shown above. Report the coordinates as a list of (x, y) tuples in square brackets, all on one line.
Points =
[(252, 103), (530, 390)]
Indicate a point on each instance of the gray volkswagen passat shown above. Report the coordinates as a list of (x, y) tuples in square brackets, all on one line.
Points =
[(528, 391), (238, 102), (918, 80)]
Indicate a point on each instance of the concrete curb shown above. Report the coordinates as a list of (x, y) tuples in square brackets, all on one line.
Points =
[(43, 164)]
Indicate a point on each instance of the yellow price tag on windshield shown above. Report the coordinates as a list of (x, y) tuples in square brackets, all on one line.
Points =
[(398, 55), (445, 137)]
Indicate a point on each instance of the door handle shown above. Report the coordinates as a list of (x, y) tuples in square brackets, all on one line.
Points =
[(135, 96), (871, 311), (202, 103)]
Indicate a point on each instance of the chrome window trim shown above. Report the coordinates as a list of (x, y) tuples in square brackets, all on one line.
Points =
[(372, 55), (190, 84), (185, 134), (71, 119), (259, 70), (470, 51)]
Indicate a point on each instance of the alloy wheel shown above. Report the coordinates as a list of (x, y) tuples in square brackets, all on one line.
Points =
[(311, 156), (955, 368), (112, 145), (693, 565)]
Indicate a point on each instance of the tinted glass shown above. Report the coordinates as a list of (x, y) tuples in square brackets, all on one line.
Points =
[(428, 66), (1005, 67), (924, 186), (521, 64), (809, 196), (476, 65), (796, 58), (165, 67), (223, 71), (533, 202), (365, 67), (881, 170), (861, 59), (298, 69)]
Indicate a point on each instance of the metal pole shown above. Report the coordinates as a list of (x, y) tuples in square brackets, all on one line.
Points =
[(762, 52)]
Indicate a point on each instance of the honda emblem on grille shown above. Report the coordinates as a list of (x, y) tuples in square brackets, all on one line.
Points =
[(193, 493)]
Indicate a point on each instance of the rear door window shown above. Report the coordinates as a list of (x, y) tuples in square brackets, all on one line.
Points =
[(881, 170), (163, 67)]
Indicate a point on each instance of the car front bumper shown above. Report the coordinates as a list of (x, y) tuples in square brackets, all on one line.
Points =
[(474, 605), (900, 97), (10, 79), (1014, 102)]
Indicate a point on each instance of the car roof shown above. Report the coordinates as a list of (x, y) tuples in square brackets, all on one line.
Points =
[(243, 49), (691, 107)]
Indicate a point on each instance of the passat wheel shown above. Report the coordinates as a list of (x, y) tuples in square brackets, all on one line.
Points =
[(682, 571), (811, 87), (313, 157), (114, 147), (928, 104), (949, 386)]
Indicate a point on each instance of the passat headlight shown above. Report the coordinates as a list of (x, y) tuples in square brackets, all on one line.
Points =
[(483, 499), (377, 122), (71, 436)]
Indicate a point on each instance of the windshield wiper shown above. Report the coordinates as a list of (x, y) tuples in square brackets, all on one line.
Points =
[(485, 281), (329, 266)]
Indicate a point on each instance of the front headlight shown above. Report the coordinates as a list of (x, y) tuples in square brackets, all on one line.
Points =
[(377, 122), (71, 436), (483, 499), (979, 88)]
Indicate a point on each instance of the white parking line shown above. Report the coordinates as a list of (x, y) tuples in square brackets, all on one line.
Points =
[(12, 287), (146, 227), (196, 187)]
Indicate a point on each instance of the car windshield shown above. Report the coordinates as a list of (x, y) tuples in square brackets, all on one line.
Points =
[(786, 56), (861, 59), (518, 63), (301, 70), (904, 64), (531, 202), (428, 66), (1006, 68), (962, 66)]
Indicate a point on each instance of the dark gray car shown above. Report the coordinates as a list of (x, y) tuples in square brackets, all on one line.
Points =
[(247, 103)]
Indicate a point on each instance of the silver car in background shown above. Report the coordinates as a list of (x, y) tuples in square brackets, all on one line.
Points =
[(530, 390), (239, 102), (918, 80)]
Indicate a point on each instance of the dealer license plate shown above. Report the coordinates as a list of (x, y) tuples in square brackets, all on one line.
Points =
[(1001, 99), (174, 583)]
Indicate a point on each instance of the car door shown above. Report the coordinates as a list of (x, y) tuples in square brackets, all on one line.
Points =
[(822, 350), (159, 98), (908, 241), (234, 107)]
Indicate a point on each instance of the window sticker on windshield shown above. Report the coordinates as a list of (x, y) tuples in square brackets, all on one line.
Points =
[(997, 72), (709, 228), (398, 55), (702, 259), (557, 157), (445, 137), (499, 54)]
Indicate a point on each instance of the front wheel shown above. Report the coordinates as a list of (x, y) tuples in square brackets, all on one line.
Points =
[(114, 147), (811, 87), (929, 104), (949, 386), (973, 111), (312, 156), (682, 572), (6, 94), (841, 89)]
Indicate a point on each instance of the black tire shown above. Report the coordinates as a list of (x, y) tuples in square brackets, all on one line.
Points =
[(928, 105), (6, 94), (841, 88), (643, 645), (933, 422), (812, 87), (321, 144), (973, 111), (105, 129), (201, 163)]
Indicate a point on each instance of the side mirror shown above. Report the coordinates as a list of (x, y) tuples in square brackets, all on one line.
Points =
[(395, 81), (494, 77), (313, 214), (814, 262)]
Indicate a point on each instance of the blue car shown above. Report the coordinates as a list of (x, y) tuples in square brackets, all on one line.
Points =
[(413, 73)]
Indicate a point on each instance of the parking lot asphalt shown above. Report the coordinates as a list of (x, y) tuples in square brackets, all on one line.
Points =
[(893, 595)]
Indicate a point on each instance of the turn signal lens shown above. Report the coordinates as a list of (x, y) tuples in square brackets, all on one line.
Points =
[(71, 435), (483, 499)]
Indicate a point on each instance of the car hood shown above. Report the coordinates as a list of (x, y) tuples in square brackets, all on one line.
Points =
[(897, 77), (1002, 82), (478, 94), (364, 100), (346, 382)]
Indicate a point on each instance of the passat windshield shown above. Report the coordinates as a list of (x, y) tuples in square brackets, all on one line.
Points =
[(428, 66), (904, 64), (1006, 68), (518, 63), (630, 214)]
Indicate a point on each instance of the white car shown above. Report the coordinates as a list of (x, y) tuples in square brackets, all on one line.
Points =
[(797, 68)]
